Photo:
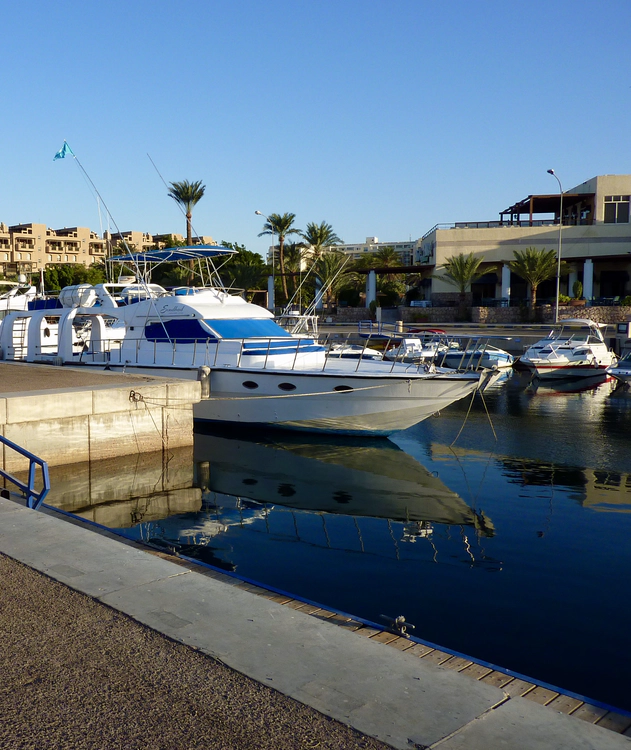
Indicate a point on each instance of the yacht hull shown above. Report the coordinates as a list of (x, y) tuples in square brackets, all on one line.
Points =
[(362, 405), (550, 370)]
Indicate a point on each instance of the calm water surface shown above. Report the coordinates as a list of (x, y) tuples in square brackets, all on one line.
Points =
[(511, 544)]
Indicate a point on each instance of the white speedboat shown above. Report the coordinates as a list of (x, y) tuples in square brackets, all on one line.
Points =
[(418, 349), (474, 356), (252, 370), (354, 351), (621, 370), (574, 349)]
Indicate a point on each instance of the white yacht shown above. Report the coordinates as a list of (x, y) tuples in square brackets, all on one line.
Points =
[(575, 348), (15, 295), (252, 370)]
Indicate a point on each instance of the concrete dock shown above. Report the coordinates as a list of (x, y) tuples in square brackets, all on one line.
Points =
[(67, 415), (109, 645)]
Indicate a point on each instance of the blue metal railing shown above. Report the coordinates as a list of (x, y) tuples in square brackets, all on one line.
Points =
[(33, 498)]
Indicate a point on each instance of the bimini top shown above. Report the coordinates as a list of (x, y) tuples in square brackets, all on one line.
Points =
[(190, 252)]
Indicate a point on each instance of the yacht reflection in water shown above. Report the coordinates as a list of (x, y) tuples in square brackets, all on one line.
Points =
[(353, 491), (346, 477), (337, 493)]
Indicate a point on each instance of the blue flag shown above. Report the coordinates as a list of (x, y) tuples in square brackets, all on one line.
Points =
[(65, 149)]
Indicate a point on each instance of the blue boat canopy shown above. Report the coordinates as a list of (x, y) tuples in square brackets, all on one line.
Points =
[(190, 252)]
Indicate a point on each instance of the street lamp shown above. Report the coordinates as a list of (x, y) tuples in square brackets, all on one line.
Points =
[(258, 213), (556, 310)]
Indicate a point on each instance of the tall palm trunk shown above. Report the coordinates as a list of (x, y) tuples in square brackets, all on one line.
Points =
[(189, 242), (281, 263)]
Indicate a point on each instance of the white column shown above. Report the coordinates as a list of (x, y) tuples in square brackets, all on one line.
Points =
[(505, 281), (371, 288), (588, 279), (572, 277), (270, 292)]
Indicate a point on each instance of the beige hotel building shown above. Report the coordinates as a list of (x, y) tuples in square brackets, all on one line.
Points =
[(27, 248)]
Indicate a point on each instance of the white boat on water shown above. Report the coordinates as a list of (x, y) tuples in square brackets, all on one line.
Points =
[(621, 370), (252, 370), (574, 349), (15, 295), (475, 355)]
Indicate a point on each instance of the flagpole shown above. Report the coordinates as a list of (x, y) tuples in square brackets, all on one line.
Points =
[(61, 154)]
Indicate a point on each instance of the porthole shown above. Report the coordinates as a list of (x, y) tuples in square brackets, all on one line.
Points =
[(343, 388), (250, 384), (287, 386)]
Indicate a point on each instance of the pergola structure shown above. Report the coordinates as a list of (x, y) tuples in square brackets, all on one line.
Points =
[(578, 208)]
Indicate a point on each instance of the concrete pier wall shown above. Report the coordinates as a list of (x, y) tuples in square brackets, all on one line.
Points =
[(97, 421)]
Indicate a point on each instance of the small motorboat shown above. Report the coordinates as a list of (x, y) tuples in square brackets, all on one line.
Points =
[(354, 351), (574, 349), (621, 370), (472, 357)]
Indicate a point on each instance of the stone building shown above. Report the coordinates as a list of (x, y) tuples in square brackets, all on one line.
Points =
[(27, 248), (595, 237)]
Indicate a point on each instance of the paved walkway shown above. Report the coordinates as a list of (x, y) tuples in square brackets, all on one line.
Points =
[(20, 377), (141, 652)]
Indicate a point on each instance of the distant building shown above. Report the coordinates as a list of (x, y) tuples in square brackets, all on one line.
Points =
[(26, 248), (405, 250)]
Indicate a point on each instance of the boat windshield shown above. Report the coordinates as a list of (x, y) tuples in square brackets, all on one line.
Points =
[(581, 335), (247, 328)]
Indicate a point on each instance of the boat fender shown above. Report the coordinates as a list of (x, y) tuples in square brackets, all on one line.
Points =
[(203, 375)]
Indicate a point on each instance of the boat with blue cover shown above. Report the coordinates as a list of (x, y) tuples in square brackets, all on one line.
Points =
[(252, 370)]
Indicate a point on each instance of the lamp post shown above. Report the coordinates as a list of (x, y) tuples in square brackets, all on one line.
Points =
[(273, 302), (556, 310)]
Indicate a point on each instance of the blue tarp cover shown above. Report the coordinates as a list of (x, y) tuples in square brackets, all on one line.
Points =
[(247, 328), (187, 330)]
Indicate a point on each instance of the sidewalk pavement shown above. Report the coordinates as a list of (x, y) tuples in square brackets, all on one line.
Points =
[(141, 652)]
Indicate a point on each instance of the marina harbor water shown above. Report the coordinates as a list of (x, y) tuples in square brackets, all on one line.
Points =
[(499, 529)]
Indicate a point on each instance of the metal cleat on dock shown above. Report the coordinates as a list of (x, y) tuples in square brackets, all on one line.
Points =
[(398, 625)]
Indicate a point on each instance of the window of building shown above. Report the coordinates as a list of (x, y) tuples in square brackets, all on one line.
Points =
[(617, 209)]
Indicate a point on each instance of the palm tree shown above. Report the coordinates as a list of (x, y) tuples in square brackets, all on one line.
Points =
[(319, 237), (294, 257), (461, 271), (244, 270), (187, 194), (282, 226), (534, 266), (329, 268), (245, 276)]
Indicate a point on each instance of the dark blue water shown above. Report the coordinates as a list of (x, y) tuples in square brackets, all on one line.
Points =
[(512, 545)]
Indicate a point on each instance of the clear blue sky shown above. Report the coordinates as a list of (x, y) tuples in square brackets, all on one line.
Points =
[(381, 117)]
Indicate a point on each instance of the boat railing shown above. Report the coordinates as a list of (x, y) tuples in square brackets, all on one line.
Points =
[(290, 353), (434, 350), (34, 498)]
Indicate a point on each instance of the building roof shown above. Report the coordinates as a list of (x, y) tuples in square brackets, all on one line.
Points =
[(546, 204)]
